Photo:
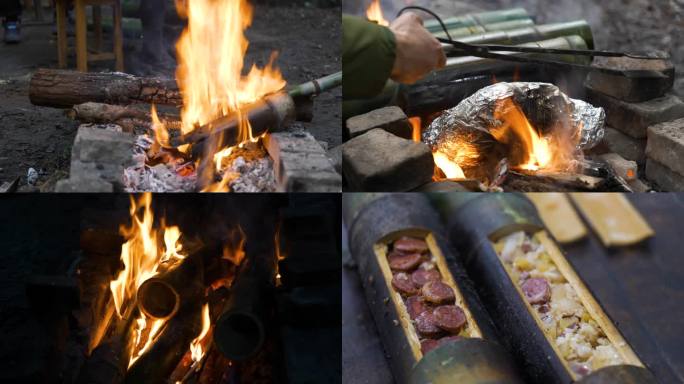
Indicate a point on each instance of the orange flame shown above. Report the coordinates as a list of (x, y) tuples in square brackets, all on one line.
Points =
[(536, 149), (234, 250), (416, 128), (143, 257), (197, 348), (374, 13), (450, 168)]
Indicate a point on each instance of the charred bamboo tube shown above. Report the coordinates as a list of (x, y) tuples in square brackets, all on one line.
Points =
[(63, 88), (157, 364), (533, 33), (378, 221), (240, 330), (479, 29), (272, 113), (477, 226), (480, 18), (160, 297)]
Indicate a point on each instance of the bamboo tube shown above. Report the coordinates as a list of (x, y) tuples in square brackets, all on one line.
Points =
[(475, 223), (240, 331), (533, 33), (481, 18), (480, 29), (376, 220)]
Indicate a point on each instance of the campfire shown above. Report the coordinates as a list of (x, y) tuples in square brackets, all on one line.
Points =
[(167, 314), (211, 54)]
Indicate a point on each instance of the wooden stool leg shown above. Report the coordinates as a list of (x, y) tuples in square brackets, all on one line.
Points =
[(81, 36), (97, 27), (60, 10), (39, 10), (118, 37)]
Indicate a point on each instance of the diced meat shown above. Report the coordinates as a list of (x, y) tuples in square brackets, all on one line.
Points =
[(415, 306), (437, 292), (402, 282), (410, 245), (404, 262), (427, 345), (450, 318), (425, 325), (536, 290), (421, 276)]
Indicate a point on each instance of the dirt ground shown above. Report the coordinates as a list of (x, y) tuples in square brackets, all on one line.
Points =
[(307, 39), (622, 25)]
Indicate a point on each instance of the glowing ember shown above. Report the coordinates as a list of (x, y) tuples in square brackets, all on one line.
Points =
[(374, 13), (535, 149)]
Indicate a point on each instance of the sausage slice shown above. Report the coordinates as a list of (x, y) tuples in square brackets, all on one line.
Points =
[(421, 276), (425, 325), (402, 283), (536, 290), (410, 245), (415, 306), (437, 292), (408, 262), (450, 318)]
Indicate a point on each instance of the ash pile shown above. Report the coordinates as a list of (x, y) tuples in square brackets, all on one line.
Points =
[(395, 142)]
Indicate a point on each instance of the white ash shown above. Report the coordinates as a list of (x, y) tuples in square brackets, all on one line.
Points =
[(140, 177), (254, 176)]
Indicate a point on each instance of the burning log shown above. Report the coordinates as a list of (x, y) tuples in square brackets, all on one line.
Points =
[(126, 116), (63, 89), (161, 296), (239, 332)]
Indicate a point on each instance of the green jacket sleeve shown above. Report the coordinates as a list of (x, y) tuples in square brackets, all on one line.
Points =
[(368, 52)]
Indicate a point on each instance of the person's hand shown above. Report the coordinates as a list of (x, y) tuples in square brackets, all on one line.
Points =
[(417, 51)]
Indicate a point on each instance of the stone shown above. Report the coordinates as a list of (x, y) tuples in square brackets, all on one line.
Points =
[(102, 146), (626, 169), (442, 186), (301, 164), (624, 145), (639, 186), (634, 118), (391, 119), (84, 185), (335, 155), (379, 161), (664, 177), (666, 144), (634, 88)]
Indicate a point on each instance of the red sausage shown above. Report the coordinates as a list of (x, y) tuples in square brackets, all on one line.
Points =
[(425, 325), (536, 290), (450, 318), (421, 276), (404, 262), (402, 283), (415, 306), (437, 292), (410, 245)]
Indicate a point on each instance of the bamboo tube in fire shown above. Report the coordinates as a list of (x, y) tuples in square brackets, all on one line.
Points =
[(481, 18), (545, 312), (380, 227)]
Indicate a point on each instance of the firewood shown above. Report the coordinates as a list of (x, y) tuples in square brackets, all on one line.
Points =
[(63, 88), (128, 117)]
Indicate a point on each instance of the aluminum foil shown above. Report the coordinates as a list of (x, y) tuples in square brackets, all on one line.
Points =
[(545, 106)]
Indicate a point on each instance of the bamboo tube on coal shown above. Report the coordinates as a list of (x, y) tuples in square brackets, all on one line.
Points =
[(376, 221), (240, 331), (160, 296), (480, 226), (480, 18)]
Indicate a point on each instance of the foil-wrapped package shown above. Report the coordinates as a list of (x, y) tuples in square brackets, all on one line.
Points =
[(465, 131)]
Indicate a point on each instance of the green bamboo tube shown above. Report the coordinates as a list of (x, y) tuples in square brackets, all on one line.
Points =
[(481, 18), (315, 87), (479, 29), (534, 33), (377, 219), (474, 222)]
